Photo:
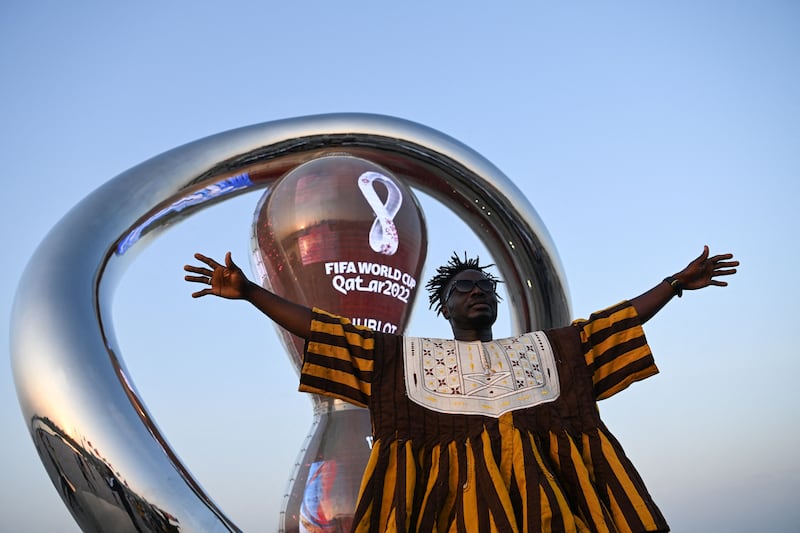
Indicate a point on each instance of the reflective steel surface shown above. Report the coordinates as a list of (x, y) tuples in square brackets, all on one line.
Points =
[(103, 451)]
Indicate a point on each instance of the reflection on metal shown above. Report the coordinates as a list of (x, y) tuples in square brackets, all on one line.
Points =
[(103, 451), (213, 191), (324, 486)]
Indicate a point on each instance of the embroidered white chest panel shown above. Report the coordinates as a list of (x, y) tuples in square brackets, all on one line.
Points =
[(451, 376)]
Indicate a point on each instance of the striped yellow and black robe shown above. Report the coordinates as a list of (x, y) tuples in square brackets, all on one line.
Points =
[(554, 467)]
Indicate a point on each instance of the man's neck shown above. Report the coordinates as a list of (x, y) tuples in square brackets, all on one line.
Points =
[(472, 335)]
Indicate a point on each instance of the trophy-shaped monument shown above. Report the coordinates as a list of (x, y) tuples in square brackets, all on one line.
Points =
[(343, 234)]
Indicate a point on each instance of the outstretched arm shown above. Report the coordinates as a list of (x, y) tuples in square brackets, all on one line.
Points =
[(228, 281), (700, 273)]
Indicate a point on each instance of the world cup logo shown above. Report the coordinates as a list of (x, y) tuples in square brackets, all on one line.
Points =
[(383, 234)]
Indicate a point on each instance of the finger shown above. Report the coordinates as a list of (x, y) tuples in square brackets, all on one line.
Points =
[(718, 283), (727, 272), (701, 258), (198, 279), (720, 257), (198, 270), (207, 260), (229, 261), (199, 294)]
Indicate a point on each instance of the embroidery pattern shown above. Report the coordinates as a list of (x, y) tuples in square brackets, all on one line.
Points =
[(450, 376)]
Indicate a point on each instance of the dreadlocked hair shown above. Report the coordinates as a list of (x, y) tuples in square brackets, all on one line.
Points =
[(445, 273)]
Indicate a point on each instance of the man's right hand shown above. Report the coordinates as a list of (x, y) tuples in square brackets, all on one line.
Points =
[(226, 281)]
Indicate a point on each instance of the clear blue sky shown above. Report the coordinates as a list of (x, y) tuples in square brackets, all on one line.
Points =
[(639, 131)]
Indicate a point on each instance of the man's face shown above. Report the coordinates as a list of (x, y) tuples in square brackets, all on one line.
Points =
[(470, 301)]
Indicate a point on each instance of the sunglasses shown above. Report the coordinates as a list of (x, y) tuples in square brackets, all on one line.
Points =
[(466, 285)]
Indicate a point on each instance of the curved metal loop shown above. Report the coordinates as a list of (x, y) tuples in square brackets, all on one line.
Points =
[(88, 422)]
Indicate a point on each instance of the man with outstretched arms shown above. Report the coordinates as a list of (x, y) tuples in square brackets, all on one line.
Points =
[(477, 434)]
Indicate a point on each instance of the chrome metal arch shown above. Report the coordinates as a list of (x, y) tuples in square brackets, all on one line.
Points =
[(71, 379)]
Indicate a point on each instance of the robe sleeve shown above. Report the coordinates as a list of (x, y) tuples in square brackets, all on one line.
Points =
[(615, 349), (338, 359)]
